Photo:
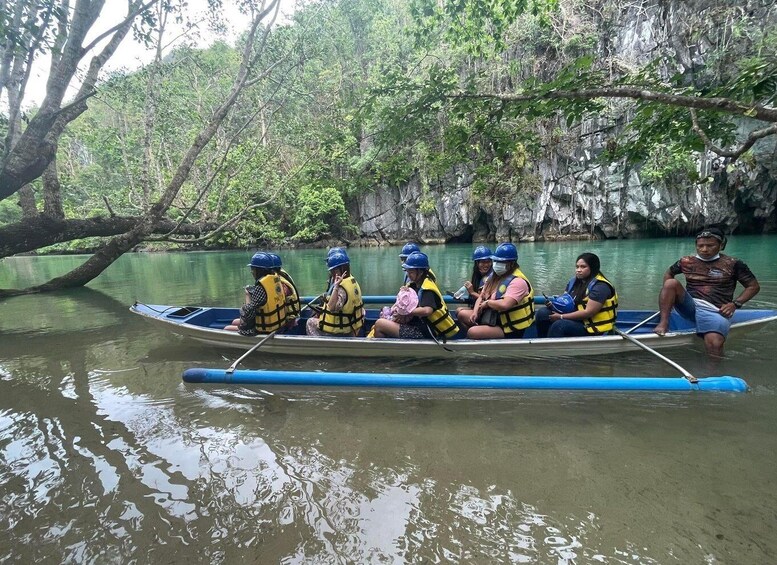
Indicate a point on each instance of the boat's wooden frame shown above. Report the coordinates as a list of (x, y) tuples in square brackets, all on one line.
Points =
[(203, 324)]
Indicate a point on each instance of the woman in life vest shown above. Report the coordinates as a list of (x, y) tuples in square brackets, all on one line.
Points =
[(588, 307), (430, 317), (505, 307), (264, 310), (481, 271), (343, 311)]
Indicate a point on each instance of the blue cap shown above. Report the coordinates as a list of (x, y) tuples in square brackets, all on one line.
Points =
[(335, 250), (505, 252), (337, 259), (481, 252), (416, 260), (409, 248), (276, 260), (261, 260)]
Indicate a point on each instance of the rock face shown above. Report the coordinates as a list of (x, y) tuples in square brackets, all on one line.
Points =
[(578, 196)]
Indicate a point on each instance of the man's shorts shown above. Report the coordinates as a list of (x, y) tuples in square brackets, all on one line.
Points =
[(707, 317)]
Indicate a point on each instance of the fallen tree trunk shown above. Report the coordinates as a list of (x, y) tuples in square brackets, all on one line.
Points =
[(41, 231)]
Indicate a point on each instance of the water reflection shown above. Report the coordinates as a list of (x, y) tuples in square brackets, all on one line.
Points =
[(105, 456)]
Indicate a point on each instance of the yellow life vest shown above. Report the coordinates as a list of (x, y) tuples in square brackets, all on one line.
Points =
[(272, 315), (520, 316), (351, 318), (604, 320), (292, 300), (440, 320)]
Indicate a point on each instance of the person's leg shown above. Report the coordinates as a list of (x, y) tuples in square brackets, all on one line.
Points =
[(485, 332), (567, 328), (463, 316), (713, 327), (672, 293), (386, 328), (713, 343), (542, 320)]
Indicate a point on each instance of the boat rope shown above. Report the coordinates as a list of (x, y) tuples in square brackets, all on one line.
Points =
[(154, 309)]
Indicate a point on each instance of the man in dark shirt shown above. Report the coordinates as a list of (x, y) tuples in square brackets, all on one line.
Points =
[(708, 299)]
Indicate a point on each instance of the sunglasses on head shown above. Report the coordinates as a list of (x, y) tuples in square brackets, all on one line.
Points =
[(709, 234)]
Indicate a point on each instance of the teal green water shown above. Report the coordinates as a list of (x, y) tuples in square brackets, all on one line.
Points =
[(106, 456)]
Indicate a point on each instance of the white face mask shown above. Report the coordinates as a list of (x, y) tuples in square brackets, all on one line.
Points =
[(710, 259), (500, 268)]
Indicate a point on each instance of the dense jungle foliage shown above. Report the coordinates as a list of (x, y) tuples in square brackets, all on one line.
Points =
[(368, 93)]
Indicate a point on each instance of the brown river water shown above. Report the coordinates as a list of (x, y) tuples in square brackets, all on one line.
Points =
[(106, 456)]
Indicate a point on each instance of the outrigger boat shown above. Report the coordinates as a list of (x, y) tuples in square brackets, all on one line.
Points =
[(205, 324)]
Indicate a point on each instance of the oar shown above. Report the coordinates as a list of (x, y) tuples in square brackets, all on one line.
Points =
[(642, 323), (685, 373), (234, 365)]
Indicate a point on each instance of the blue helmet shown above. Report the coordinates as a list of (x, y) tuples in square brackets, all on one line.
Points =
[(337, 259), (562, 303), (409, 248), (335, 250), (481, 252), (261, 260), (276, 260), (416, 260), (505, 252)]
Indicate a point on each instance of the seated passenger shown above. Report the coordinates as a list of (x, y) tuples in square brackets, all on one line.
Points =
[(473, 287), (264, 310), (592, 304), (407, 249), (289, 289), (431, 317), (343, 311), (505, 307)]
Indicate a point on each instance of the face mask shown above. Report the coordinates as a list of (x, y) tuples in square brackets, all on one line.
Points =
[(710, 259), (500, 268)]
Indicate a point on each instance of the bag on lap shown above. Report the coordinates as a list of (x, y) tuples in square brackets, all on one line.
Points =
[(489, 317)]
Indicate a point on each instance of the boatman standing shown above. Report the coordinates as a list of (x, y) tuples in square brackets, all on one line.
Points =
[(708, 298)]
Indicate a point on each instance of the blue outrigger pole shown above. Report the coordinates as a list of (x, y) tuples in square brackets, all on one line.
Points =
[(332, 378)]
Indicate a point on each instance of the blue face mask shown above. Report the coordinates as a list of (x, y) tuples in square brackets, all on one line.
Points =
[(710, 259), (500, 268)]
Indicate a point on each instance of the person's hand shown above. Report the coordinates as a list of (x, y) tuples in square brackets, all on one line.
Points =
[(727, 310), (337, 280), (473, 319), (468, 285)]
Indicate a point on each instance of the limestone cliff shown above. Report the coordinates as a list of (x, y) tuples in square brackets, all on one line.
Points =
[(576, 195)]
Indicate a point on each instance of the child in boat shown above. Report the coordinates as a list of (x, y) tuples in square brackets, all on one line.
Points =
[(588, 307), (472, 288), (264, 310), (343, 311), (430, 318), (505, 307)]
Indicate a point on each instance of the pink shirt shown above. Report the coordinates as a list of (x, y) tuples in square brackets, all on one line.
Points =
[(517, 289)]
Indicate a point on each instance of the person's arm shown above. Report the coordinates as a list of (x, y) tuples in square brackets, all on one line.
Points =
[(591, 309), (256, 297), (673, 270), (751, 288), (600, 292), (426, 305), (516, 291), (338, 298), (500, 304)]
